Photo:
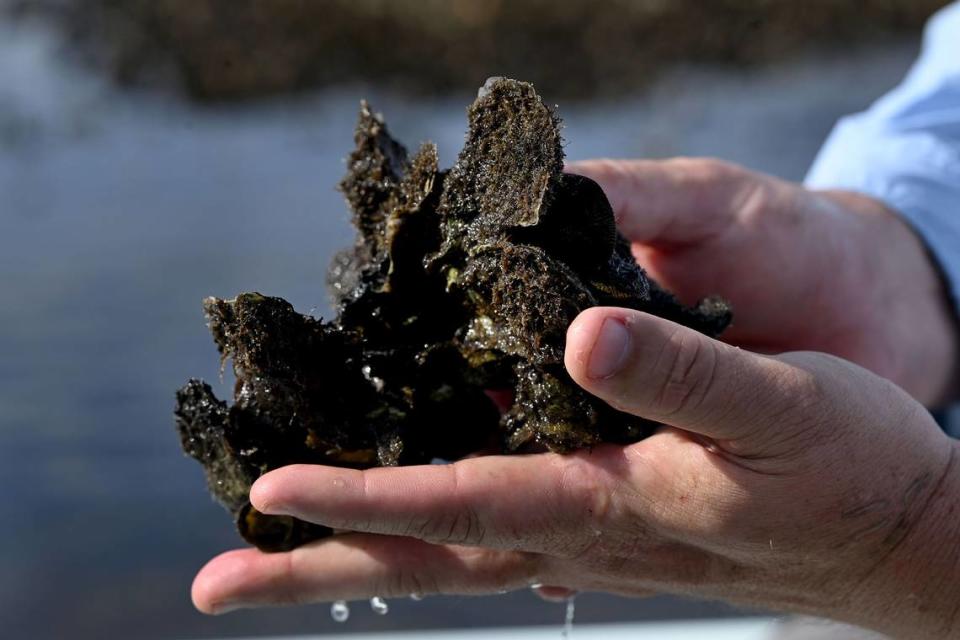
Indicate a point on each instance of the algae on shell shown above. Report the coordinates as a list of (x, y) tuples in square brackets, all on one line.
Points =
[(460, 282)]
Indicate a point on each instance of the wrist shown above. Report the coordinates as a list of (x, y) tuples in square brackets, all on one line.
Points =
[(903, 299), (911, 592)]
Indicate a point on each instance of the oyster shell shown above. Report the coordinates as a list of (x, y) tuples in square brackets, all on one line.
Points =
[(459, 282)]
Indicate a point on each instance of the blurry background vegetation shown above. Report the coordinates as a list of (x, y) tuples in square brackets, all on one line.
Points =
[(228, 49)]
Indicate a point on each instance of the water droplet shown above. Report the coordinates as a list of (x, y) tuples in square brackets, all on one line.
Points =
[(417, 597), (568, 619), (379, 606), (339, 611)]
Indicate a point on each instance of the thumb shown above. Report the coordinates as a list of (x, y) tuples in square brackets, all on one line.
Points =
[(653, 368)]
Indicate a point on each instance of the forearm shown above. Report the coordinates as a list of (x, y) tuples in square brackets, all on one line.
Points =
[(913, 593)]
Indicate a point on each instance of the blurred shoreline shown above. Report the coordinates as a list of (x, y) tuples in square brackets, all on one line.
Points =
[(222, 50)]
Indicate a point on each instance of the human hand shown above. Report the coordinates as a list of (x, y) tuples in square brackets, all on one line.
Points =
[(798, 482), (823, 271)]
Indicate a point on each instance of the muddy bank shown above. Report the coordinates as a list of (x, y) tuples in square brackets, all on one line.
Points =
[(233, 49)]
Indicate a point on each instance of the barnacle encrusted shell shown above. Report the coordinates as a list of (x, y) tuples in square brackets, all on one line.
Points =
[(459, 282)]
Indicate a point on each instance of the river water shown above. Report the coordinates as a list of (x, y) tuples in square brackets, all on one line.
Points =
[(119, 212)]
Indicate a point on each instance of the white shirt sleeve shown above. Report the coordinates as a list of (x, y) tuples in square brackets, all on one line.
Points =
[(905, 149)]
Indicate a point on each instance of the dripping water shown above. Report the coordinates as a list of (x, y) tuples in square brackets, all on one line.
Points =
[(339, 611), (379, 606), (568, 619)]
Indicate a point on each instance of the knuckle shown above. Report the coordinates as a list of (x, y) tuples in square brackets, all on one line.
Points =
[(709, 169), (807, 390), (697, 169), (586, 501), (461, 525), (464, 525), (801, 407), (757, 197), (291, 590), (687, 372)]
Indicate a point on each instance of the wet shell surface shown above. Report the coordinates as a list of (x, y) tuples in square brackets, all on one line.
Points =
[(461, 282)]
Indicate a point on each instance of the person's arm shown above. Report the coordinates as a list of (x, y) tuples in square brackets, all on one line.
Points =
[(798, 482), (905, 150)]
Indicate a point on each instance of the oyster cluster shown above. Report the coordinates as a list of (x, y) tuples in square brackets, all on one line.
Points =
[(462, 282)]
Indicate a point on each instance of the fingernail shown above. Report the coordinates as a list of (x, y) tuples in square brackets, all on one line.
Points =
[(610, 350), (271, 509), (225, 607)]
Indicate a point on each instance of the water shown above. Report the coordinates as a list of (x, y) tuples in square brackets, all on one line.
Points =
[(567, 631), (379, 606), (120, 212), (340, 611)]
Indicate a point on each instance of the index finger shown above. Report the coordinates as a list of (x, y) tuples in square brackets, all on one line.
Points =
[(541, 503), (680, 201)]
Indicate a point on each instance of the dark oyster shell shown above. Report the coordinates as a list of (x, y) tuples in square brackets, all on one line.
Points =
[(459, 282)]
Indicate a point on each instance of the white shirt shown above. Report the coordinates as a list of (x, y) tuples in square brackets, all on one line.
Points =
[(905, 149)]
